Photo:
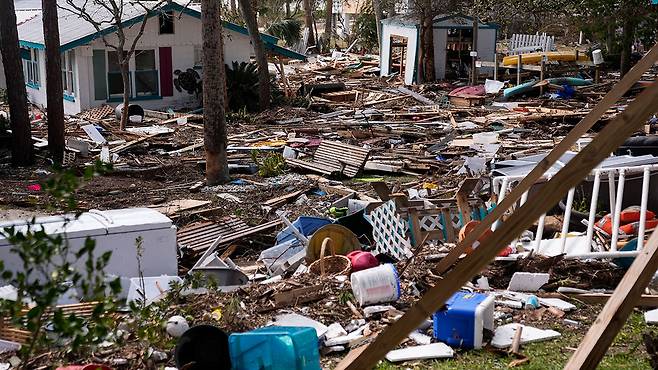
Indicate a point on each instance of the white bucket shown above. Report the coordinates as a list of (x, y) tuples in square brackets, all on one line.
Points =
[(597, 57), (376, 285)]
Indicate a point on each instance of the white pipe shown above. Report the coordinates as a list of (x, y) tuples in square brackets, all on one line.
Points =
[(524, 198), (501, 195), (611, 193), (602, 255), (592, 208), (620, 198), (540, 232), (643, 208), (567, 218)]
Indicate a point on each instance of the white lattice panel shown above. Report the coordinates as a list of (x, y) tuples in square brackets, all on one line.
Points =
[(390, 231)]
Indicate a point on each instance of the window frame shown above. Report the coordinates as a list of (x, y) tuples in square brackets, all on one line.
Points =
[(31, 72), (68, 74), (132, 75)]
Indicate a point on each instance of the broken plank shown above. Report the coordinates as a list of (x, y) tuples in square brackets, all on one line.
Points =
[(416, 96), (298, 296), (179, 205), (367, 104), (127, 145)]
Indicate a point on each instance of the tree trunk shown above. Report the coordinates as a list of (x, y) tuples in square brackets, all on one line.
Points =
[(427, 46), (21, 149), (377, 9), (328, 18), (259, 50), (54, 87), (628, 31), (474, 70), (308, 21), (123, 66), (610, 35), (214, 87)]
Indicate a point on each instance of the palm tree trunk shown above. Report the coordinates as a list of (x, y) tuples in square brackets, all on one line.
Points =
[(214, 88), (308, 21), (628, 30), (328, 18), (379, 15), (54, 89), (21, 149), (259, 50)]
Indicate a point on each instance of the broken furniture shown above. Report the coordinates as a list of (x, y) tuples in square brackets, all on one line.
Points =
[(334, 158), (115, 231)]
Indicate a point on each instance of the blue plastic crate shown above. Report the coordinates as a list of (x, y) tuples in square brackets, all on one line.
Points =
[(275, 348), (462, 322)]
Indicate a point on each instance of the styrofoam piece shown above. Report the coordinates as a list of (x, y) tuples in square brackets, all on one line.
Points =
[(347, 339), (651, 317), (154, 288), (557, 303), (504, 335), (429, 351), (528, 281), (296, 320), (372, 310), (510, 303), (420, 338), (335, 330)]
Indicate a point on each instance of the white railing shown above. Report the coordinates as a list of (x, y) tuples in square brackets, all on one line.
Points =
[(503, 184), (520, 43)]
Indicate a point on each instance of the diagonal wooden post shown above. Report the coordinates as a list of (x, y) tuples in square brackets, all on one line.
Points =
[(616, 311), (581, 128), (605, 142)]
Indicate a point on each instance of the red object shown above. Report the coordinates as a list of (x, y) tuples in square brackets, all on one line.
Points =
[(627, 216), (506, 252), (362, 260), (166, 73), (468, 91), (34, 187), (634, 227), (85, 367)]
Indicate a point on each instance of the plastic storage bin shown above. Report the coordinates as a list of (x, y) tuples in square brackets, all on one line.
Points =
[(462, 322), (275, 348)]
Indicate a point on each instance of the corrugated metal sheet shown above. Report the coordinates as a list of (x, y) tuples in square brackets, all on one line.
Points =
[(200, 236)]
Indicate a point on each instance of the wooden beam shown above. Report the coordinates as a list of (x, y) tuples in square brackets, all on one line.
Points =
[(571, 175), (579, 130), (615, 313)]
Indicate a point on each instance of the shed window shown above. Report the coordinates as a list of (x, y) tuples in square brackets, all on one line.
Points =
[(166, 22)]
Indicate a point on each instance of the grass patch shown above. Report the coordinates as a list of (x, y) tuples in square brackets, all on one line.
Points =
[(626, 352)]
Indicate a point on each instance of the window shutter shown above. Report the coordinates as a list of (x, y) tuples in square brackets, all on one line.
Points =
[(100, 75)]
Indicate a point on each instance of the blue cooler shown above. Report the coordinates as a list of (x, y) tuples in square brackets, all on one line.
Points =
[(462, 322), (275, 348)]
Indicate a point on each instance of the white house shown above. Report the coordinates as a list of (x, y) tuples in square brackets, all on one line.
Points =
[(163, 71), (453, 41)]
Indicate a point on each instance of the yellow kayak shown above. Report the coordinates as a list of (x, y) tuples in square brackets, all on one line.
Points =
[(535, 58)]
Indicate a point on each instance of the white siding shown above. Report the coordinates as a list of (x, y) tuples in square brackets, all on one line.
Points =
[(187, 34), (411, 34)]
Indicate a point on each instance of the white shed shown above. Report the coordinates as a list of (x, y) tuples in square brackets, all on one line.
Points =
[(453, 42)]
